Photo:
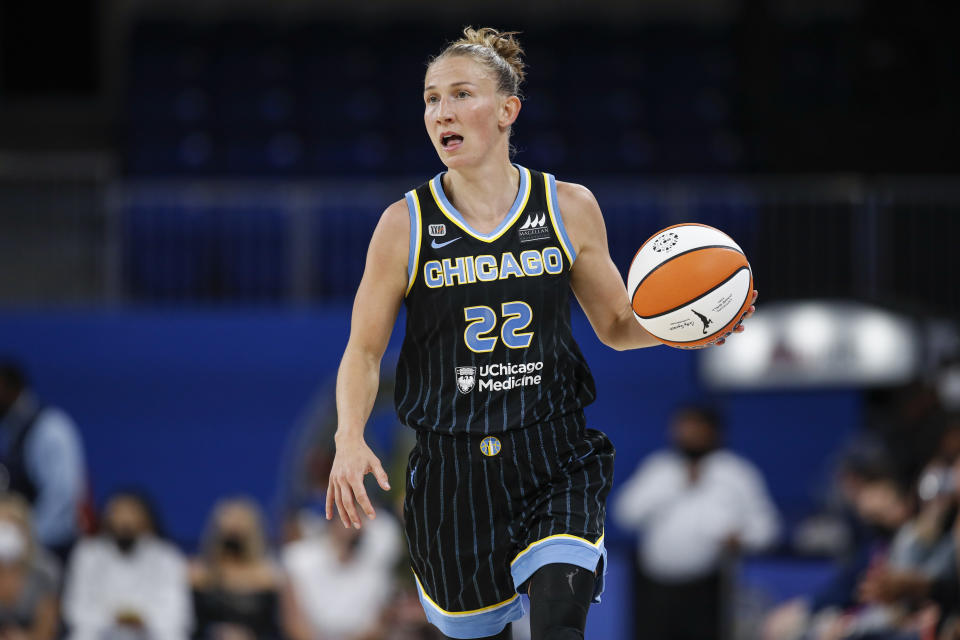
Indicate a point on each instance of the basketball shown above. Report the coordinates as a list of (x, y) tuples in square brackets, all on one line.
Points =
[(690, 285)]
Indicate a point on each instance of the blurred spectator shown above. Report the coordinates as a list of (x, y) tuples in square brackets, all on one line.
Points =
[(42, 458), (336, 568), (238, 591), (695, 506), (28, 577), (127, 583), (886, 507)]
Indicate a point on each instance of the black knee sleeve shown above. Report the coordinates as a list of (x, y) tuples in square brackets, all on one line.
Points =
[(560, 596)]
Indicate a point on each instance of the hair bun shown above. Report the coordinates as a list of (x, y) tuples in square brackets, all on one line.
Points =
[(502, 42)]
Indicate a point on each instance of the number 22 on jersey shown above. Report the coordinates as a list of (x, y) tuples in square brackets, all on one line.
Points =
[(482, 322)]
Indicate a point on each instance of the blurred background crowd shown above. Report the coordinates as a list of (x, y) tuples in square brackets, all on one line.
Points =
[(187, 190)]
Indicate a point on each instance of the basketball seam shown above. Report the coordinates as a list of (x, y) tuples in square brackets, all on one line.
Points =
[(708, 291), (671, 259)]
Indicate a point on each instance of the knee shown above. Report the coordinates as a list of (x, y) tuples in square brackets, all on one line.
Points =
[(560, 596)]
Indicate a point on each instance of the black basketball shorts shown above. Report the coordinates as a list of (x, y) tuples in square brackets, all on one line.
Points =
[(483, 513)]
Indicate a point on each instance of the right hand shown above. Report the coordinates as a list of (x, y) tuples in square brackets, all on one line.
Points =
[(352, 462)]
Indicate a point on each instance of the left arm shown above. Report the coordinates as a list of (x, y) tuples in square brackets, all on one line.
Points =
[(594, 278)]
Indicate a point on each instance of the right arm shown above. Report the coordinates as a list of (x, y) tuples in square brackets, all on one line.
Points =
[(375, 311)]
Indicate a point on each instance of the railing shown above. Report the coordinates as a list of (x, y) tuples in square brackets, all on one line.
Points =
[(91, 240)]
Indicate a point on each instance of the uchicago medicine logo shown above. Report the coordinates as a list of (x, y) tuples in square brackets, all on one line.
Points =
[(499, 376), (466, 379)]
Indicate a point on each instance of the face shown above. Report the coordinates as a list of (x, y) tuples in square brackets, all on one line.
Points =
[(125, 516), (880, 504), (690, 433), (466, 118), (236, 520)]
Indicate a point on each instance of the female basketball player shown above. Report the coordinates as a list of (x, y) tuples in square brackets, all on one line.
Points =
[(506, 487)]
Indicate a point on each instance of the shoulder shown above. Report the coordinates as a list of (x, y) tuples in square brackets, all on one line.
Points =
[(581, 214), (396, 217), (268, 574), (198, 573), (657, 463), (166, 552), (54, 421), (663, 461), (576, 200), (391, 238), (300, 555), (735, 464), (87, 548)]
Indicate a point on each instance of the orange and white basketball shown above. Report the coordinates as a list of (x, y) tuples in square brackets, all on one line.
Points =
[(690, 285)]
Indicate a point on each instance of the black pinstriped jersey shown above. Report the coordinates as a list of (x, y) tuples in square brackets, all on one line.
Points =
[(488, 346)]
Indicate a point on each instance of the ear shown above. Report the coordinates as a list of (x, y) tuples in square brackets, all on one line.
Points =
[(509, 110)]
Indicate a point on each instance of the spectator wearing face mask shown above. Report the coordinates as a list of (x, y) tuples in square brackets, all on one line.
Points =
[(239, 592), (28, 577), (334, 568), (694, 505), (127, 583)]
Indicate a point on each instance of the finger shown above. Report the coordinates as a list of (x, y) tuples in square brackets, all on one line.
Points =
[(341, 510), (381, 476), (721, 341), (349, 504), (756, 294), (330, 491), (364, 500)]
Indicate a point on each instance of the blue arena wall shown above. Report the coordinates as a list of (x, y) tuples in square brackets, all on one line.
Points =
[(195, 405)]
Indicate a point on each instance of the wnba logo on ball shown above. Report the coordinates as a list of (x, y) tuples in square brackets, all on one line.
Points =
[(665, 242), (490, 446)]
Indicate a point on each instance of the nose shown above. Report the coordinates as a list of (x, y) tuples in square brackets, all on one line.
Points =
[(444, 111)]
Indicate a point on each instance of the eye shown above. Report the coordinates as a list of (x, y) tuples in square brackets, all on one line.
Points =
[(463, 94), (432, 99)]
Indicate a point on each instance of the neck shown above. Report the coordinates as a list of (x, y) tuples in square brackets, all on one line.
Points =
[(484, 192)]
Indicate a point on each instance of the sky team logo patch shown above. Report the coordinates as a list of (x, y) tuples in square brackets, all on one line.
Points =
[(466, 379), (489, 446), (534, 227)]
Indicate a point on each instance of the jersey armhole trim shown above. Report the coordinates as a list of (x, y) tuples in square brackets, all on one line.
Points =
[(553, 205), (413, 259)]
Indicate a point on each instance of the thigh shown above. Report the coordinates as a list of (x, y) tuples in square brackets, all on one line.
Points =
[(565, 520), (456, 527)]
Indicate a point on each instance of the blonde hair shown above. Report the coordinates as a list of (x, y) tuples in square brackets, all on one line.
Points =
[(498, 51), (258, 536)]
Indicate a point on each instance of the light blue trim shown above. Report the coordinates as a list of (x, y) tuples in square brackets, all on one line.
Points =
[(414, 234), (558, 218), (521, 192), (477, 625), (562, 550)]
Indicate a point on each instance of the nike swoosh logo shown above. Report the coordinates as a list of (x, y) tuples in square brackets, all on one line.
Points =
[(437, 245)]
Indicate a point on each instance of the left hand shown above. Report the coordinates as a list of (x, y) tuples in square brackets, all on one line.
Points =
[(739, 327)]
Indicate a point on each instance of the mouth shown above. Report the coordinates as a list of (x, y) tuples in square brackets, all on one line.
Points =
[(450, 141)]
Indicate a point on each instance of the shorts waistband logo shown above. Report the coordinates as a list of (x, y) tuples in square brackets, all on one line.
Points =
[(490, 446)]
